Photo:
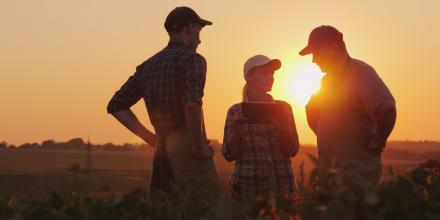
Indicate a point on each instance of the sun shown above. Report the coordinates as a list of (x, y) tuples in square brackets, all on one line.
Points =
[(297, 82)]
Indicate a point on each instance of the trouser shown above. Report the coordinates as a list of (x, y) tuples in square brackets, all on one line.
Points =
[(354, 172), (177, 166), (363, 177), (162, 176)]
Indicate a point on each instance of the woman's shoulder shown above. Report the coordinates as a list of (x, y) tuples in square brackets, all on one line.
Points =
[(285, 106), (282, 102), (234, 108)]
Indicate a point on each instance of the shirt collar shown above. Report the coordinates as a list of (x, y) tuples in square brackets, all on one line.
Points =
[(246, 99), (176, 43), (341, 74)]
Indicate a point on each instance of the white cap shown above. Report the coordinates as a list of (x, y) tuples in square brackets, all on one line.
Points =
[(260, 60)]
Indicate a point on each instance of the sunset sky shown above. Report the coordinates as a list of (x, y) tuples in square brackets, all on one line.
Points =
[(61, 61)]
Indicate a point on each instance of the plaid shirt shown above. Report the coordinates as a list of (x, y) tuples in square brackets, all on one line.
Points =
[(174, 76), (262, 155)]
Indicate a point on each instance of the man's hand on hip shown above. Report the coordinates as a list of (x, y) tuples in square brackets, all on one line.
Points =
[(205, 151), (127, 118)]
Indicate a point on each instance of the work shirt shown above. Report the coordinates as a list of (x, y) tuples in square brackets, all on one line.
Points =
[(262, 156), (347, 103), (166, 81)]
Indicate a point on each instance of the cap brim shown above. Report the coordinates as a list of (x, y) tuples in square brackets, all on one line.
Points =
[(275, 64), (204, 22), (307, 50)]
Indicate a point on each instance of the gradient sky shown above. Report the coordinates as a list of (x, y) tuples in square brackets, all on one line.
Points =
[(61, 61)]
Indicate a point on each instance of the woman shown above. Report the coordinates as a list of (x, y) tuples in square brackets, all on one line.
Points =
[(261, 151)]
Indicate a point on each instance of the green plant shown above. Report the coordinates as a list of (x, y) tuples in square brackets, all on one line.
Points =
[(414, 197)]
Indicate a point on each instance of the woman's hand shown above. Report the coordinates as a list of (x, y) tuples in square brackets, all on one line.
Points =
[(231, 144)]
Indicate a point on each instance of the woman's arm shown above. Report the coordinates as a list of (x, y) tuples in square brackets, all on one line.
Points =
[(288, 134), (232, 135)]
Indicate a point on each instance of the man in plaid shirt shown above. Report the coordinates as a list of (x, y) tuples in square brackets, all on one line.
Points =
[(171, 84)]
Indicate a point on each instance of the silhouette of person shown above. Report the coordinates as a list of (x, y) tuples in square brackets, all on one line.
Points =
[(261, 151), (353, 113), (171, 83)]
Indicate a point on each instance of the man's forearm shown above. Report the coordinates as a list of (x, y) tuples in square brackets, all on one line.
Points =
[(386, 119), (312, 114), (193, 119), (131, 122)]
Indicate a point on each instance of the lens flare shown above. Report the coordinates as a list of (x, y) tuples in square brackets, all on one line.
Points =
[(298, 82)]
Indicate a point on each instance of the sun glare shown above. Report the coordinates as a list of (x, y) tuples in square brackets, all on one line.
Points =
[(298, 82)]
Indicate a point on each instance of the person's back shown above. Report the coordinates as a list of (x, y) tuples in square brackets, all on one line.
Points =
[(162, 79)]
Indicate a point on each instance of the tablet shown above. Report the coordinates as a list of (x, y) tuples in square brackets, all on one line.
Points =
[(260, 112)]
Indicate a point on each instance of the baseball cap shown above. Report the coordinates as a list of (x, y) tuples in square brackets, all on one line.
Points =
[(260, 60), (320, 36), (181, 16)]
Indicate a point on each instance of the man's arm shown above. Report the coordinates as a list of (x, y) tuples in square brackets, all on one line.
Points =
[(285, 124), (193, 118), (377, 101), (123, 99), (131, 122), (313, 114), (193, 84), (386, 119)]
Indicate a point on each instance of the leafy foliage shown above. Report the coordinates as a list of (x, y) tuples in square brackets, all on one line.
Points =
[(414, 197)]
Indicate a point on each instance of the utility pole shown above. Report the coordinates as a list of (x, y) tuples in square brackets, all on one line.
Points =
[(88, 163)]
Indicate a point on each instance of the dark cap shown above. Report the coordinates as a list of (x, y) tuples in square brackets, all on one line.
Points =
[(181, 16), (320, 36)]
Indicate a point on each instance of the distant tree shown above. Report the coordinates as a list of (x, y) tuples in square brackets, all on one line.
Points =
[(76, 143), (128, 146), (3, 145), (142, 147), (27, 146), (48, 144), (109, 146)]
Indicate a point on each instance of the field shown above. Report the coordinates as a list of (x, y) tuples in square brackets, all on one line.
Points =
[(35, 173)]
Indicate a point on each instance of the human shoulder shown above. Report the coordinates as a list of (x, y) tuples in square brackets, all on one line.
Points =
[(151, 60), (196, 57), (285, 105), (359, 69), (233, 109), (282, 102)]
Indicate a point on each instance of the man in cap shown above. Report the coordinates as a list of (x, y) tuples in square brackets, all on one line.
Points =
[(171, 83), (353, 113)]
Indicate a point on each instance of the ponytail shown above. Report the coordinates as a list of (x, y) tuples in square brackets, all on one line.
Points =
[(245, 92)]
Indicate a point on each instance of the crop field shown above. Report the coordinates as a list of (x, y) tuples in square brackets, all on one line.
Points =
[(37, 173)]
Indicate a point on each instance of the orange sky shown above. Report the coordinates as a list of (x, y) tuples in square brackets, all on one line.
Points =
[(61, 61)]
